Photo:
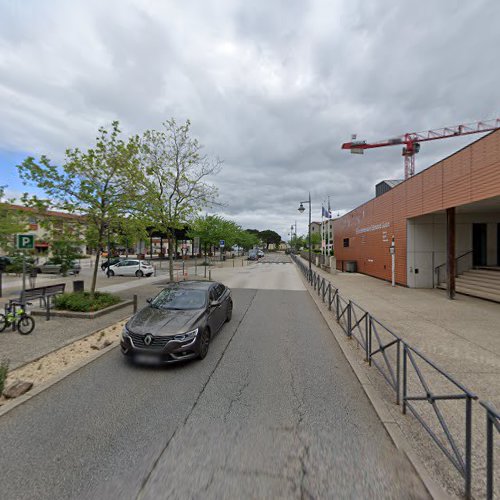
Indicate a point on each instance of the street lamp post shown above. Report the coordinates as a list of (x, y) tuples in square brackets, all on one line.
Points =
[(301, 210)]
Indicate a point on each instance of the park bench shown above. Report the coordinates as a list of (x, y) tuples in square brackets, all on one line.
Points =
[(43, 293)]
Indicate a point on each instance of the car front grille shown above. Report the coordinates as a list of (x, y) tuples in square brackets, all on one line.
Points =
[(158, 342)]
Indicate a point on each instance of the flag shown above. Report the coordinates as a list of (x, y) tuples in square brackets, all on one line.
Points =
[(325, 212)]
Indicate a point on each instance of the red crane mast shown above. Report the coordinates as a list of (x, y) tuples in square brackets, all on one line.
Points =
[(411, 141)]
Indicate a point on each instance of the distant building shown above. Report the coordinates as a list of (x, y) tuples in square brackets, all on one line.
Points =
[(40, 224)]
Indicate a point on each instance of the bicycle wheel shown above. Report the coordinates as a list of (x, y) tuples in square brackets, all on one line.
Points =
[(25, 325), (3, 322)]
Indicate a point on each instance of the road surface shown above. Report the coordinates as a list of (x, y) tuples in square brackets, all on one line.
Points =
[(274, 411)]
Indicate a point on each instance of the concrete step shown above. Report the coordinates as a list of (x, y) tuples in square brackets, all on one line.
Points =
[(477, 286), (483, 272), (495, 297), (478, 281)]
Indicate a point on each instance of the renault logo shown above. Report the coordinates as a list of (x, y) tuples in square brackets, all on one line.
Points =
[(148, 339)]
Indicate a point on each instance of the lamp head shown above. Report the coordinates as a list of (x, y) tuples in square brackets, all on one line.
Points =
[(301, 208)]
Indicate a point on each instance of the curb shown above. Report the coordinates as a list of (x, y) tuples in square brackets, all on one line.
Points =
[(379, 405), (49, 383), (86, 315)]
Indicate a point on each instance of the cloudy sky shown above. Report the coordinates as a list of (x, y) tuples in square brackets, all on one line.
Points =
[(272, 87)]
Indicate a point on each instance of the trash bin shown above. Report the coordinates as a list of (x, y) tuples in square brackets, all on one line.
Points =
[(351, 266), (78, 285)]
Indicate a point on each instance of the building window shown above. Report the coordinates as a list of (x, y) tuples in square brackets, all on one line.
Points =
[(346, 242)]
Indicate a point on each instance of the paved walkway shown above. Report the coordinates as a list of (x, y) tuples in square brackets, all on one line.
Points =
[(462, 336)]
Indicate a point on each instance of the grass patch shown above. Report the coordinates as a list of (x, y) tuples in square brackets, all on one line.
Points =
[(4, 370), (84, 301)]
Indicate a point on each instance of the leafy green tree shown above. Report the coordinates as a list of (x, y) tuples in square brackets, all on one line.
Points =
[(248, 239), (175, 182), (213, 228), (100, 183), (268, 236)]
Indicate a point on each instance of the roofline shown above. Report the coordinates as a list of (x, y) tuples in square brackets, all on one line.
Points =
[(419, 173), (50, 213)]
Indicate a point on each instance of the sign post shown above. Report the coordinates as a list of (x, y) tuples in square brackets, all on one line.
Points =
[(392, 249), (222, 243), (25, 242)]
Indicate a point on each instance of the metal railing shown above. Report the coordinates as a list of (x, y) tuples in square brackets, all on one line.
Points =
[(407, 371), (462, 263), (492, 423)]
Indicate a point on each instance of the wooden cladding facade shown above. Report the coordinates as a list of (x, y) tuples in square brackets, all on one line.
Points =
[(469, 175)]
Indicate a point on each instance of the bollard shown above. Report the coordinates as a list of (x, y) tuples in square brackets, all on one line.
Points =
[(233, 262), (209, 275), (134, 305)]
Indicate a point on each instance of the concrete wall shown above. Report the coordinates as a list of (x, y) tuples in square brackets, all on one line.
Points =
[(426, 244)]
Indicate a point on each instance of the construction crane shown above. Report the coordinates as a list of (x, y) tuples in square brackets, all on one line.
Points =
[(411, 141)]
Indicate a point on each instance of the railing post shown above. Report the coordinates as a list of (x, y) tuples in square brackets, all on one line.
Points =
[(349, 319), (330, 297), (489, 455), (337, 312), (367, 327), (405, 381), (398, 371), (369, 340), (468, 447)]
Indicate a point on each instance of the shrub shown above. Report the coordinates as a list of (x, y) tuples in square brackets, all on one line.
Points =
[(84, 301), (4, 369)]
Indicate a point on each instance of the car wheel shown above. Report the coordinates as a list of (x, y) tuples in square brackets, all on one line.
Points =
[(204, 343), (139, 274), (229, 314), (110, 273)]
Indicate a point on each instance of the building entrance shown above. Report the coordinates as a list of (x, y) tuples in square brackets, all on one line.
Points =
[(479, 246)]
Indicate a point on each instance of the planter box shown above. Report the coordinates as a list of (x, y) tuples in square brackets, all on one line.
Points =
[(86, 315)]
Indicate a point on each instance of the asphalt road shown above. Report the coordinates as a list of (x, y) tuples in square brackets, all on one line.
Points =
[(274, 411)]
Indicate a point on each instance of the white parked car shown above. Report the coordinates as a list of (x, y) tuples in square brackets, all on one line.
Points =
[(131, 267)]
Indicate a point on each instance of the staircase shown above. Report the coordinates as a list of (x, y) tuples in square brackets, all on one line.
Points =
[(483, 282)]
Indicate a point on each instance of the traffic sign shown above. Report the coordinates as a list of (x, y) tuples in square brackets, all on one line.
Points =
[(222, 243), (25, 241)]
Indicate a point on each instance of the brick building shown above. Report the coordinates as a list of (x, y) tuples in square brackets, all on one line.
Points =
[(446, 215)]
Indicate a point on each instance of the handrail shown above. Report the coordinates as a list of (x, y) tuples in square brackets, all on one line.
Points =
[(456, 260), (492, 421)]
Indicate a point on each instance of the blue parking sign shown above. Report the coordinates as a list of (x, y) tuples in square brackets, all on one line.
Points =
[(222, 243)]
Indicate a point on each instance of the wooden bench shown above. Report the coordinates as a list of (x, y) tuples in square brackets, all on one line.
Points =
[(43, 293)]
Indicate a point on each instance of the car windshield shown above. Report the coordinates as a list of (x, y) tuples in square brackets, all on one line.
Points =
[(178, 298)]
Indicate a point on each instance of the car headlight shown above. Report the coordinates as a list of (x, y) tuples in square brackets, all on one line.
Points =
[(124, 332), (187, 336)]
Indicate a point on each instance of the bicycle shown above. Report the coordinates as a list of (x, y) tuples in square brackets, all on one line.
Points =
[(18, 317)]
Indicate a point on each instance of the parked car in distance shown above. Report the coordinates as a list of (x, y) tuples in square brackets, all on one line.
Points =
[(178, 324), (260, 253), (252, 254), (111, 262), (131, 267), (51, 267)]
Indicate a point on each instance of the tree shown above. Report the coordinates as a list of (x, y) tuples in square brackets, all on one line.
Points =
[(213, 228), (175, 179), (100, 183), (248, 239), (269, 237)]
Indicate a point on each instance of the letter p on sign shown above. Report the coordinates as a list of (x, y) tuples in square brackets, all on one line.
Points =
[(25, 241)]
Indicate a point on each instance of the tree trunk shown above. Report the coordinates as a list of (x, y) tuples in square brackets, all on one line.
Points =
[(94, 275)]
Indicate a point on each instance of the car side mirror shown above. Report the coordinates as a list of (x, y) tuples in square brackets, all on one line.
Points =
[(149, 301)]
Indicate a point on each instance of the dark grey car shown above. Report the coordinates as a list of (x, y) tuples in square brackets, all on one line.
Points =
[(178, 323)]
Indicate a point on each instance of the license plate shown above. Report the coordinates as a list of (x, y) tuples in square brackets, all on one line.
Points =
[(147, 359)]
